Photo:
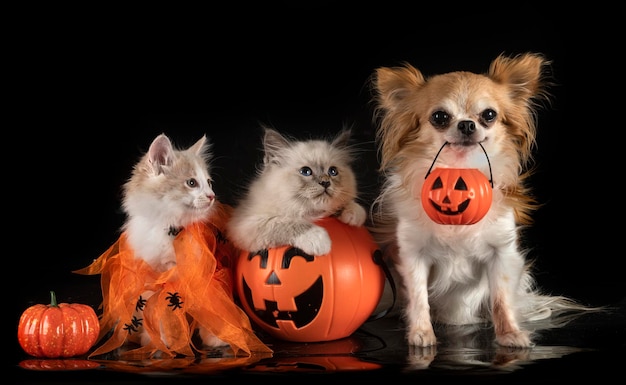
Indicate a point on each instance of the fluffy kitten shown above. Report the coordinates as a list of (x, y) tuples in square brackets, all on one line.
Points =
[(169, 189), (299, 182)]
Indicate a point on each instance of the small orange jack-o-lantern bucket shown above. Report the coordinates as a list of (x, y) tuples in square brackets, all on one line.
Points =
[(299, 297), (456, 196)]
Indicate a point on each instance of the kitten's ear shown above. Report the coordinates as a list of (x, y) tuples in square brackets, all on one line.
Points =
[(160, 153), (273, 144), (343, 138), (201, 147)]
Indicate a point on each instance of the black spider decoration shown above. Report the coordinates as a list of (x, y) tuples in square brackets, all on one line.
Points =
[(141, 303), (175, 300), (174, 231), (134, 325)]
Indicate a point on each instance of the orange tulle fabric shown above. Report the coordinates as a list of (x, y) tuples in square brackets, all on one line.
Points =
[(196, 292)]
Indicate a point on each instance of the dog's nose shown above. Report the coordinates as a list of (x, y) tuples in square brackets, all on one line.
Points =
[(467, 127)]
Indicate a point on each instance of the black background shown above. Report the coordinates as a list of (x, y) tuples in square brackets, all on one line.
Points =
[(95, 86)]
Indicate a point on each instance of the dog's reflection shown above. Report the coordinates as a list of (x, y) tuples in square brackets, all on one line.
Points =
[(471, 347)]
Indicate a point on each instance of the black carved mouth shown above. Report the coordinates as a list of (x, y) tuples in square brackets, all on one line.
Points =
[(308, 304), (447, 211)]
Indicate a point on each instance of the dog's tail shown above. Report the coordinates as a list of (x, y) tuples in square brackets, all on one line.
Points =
[(558, 309)]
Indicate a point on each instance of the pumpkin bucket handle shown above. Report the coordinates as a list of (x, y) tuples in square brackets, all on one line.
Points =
[(378, 259), (486, 156)]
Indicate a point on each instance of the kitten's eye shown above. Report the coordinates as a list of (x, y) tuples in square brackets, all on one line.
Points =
[(332, 171), (440, 119), (192, 182), (306, 171), (488, 115), (210, 182)]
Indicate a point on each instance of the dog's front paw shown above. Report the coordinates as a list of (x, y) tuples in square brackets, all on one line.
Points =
[(422, 337), (314, 241), (353, 214), (516, 339), (421, 357)]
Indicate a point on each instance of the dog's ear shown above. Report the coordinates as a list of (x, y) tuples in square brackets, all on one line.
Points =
[(524, 74), (393, 84)]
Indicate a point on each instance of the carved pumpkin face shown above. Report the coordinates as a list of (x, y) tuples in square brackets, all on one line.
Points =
[(456, 196), (306, 298)]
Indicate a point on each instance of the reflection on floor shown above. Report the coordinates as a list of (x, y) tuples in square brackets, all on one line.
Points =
[(379, 346)]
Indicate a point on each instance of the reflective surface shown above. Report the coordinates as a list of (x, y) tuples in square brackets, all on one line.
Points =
[(591, 344)]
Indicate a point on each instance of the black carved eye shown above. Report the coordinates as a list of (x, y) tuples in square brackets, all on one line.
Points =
[(306, 171), (332, 171), (293, 252), (488, 115), (440, 119), (460, 185), (192, 182), (437, 184)]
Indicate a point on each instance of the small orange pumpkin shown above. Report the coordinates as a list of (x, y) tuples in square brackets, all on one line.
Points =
[(58, 330), (456, 196), (309, 298)]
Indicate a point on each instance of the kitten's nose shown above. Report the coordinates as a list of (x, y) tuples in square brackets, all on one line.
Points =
[(211, 197), (467, 127), (325, 183)]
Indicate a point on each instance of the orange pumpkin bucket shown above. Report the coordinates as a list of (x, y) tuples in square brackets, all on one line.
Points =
[(312, 298), (457, 196)]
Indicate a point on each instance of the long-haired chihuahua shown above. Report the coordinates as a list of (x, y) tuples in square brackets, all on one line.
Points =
[(462, 273)]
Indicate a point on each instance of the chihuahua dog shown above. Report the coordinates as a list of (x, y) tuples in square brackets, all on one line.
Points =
[(468, 273)]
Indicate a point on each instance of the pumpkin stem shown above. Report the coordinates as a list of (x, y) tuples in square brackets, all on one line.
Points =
[(53, 299)]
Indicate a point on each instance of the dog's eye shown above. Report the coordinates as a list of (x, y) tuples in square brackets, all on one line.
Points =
[(488, 115), (440, 119)]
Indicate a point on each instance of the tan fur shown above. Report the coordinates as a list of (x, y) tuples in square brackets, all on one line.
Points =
[(282, 204), (462, 274)]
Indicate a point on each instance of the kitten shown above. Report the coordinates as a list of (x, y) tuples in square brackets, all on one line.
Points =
[(167, 280), (299, 182), (168, 190)]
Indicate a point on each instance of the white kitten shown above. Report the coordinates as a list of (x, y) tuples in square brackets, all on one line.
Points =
[(168, 190), (299, 182)]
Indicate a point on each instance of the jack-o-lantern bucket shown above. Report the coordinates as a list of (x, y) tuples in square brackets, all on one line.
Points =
[(456, 196), (311, 298)]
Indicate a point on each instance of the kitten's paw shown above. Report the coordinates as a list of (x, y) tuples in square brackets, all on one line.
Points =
[(209, 339), (165, 265), (516, 339), (353, 214), (144, 338), (314, 241), (421, 337)]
